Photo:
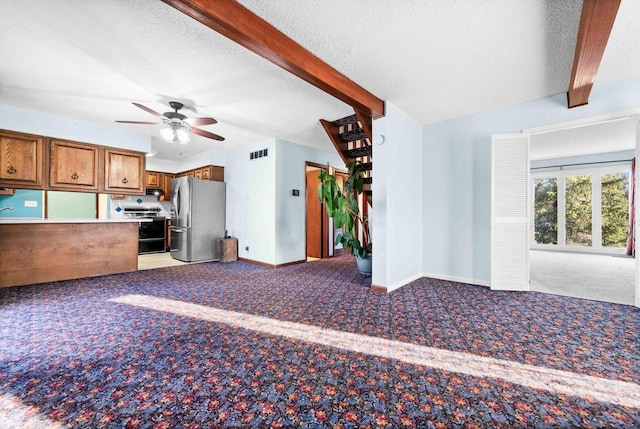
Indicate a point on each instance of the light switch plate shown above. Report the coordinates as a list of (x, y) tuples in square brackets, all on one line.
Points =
[(28, 203)]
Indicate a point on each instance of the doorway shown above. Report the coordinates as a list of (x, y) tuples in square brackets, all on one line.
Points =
[(593, 138), (581, 202), (320, 233), (317, 221)]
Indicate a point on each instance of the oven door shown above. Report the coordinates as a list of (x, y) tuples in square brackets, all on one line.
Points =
[(152, 237), (152, 230)]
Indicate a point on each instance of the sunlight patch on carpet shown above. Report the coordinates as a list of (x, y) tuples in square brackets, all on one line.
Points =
[(16, 414), (535, 377)]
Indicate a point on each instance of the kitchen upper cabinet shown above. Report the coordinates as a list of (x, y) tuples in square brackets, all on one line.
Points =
[(154, 179), (210, 172), (73, 165), (217, 173), (124, 171), (21, 160), (166, 186), (27, 161), (206, 172)]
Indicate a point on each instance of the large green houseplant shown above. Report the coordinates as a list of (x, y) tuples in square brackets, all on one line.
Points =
[(342, 206)]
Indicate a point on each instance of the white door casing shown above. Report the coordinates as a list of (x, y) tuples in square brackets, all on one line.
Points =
[(510, 200)]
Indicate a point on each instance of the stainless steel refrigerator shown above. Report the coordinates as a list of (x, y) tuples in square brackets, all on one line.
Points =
[(197, 218)]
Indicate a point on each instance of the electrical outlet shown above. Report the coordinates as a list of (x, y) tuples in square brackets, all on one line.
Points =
[(28, 203)]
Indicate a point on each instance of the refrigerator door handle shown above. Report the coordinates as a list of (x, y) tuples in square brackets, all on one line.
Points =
[(176, 200), (177, 229)]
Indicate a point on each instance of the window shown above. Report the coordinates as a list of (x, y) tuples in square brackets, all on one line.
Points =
[(578, 209), (615, 209), (581, 209), (545, 215)]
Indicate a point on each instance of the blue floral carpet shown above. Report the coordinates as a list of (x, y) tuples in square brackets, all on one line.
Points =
[(236, 345)]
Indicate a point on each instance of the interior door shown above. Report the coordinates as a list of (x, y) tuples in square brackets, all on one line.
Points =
[(315, 231), (510, 199)]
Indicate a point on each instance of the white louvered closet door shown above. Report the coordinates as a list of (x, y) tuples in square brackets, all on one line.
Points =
[(510, 193)]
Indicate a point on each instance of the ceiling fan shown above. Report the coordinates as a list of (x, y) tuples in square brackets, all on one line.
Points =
[(176, 126)]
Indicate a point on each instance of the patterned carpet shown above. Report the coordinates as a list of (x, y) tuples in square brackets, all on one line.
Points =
[(310, 345)]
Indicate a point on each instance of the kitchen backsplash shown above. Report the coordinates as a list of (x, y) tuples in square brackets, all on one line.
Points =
[(116, 207)]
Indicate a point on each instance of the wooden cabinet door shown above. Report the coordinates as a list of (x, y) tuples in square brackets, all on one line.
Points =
[(191, 173), (153, 180), (124, 172), (166, 186), (206, 173), (73, 165), (21, 160), (217, 173), (197, 173)]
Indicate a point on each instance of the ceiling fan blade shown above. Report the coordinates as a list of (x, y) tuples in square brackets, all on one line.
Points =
[(206, 134), (146, 109), (200, 121), (138, 122)]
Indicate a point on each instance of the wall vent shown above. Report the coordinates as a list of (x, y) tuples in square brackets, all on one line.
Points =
[(258, 154)]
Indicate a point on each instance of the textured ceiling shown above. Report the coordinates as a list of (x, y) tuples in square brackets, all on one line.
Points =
[(434, 60)]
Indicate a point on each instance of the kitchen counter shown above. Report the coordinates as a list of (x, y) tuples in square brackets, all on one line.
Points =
[(34, 250), (36, 220)]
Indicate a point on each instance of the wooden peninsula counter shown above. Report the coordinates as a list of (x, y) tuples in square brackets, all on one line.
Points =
[(44, 250)]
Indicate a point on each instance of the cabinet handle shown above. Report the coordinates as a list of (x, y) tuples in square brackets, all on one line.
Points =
[(11, 170), (125, 181), (74, 176)]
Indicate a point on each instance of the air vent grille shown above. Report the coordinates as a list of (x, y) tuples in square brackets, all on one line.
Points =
[(259, 154)]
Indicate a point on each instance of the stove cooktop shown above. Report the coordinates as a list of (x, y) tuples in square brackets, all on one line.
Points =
[(141, 211)]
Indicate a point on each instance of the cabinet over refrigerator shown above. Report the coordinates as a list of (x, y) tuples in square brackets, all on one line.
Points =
[(197, 219)]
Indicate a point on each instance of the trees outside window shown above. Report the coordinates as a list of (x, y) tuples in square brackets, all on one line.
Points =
[(615, 209), (578, 210), (586, 208), (545, 214)]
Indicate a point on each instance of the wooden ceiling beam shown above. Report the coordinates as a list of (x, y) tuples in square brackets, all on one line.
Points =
[(236, 22), (596, 23)]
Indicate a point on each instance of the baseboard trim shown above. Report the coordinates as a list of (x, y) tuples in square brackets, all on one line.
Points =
[(251, 261), (273, 266), (386, 289), (398, 285), (404, 282), (457, 279), (377, 288), (286, 264)]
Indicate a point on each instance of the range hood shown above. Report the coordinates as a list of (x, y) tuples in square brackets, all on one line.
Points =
[(155, 191)]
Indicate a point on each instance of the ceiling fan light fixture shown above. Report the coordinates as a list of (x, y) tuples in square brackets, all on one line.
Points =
[(182, 135), (176, 127), (175, 131), (167, 133)]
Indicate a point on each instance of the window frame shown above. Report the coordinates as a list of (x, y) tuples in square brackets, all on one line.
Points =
[(596, 172)]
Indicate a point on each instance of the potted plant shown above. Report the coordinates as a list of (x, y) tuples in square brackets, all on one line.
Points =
[(342, 206)]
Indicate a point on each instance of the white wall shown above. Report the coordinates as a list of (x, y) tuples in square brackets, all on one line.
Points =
[(261, 210), (290, 210), (251, 196), (397, 218), (27, 121), (457, 175)]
